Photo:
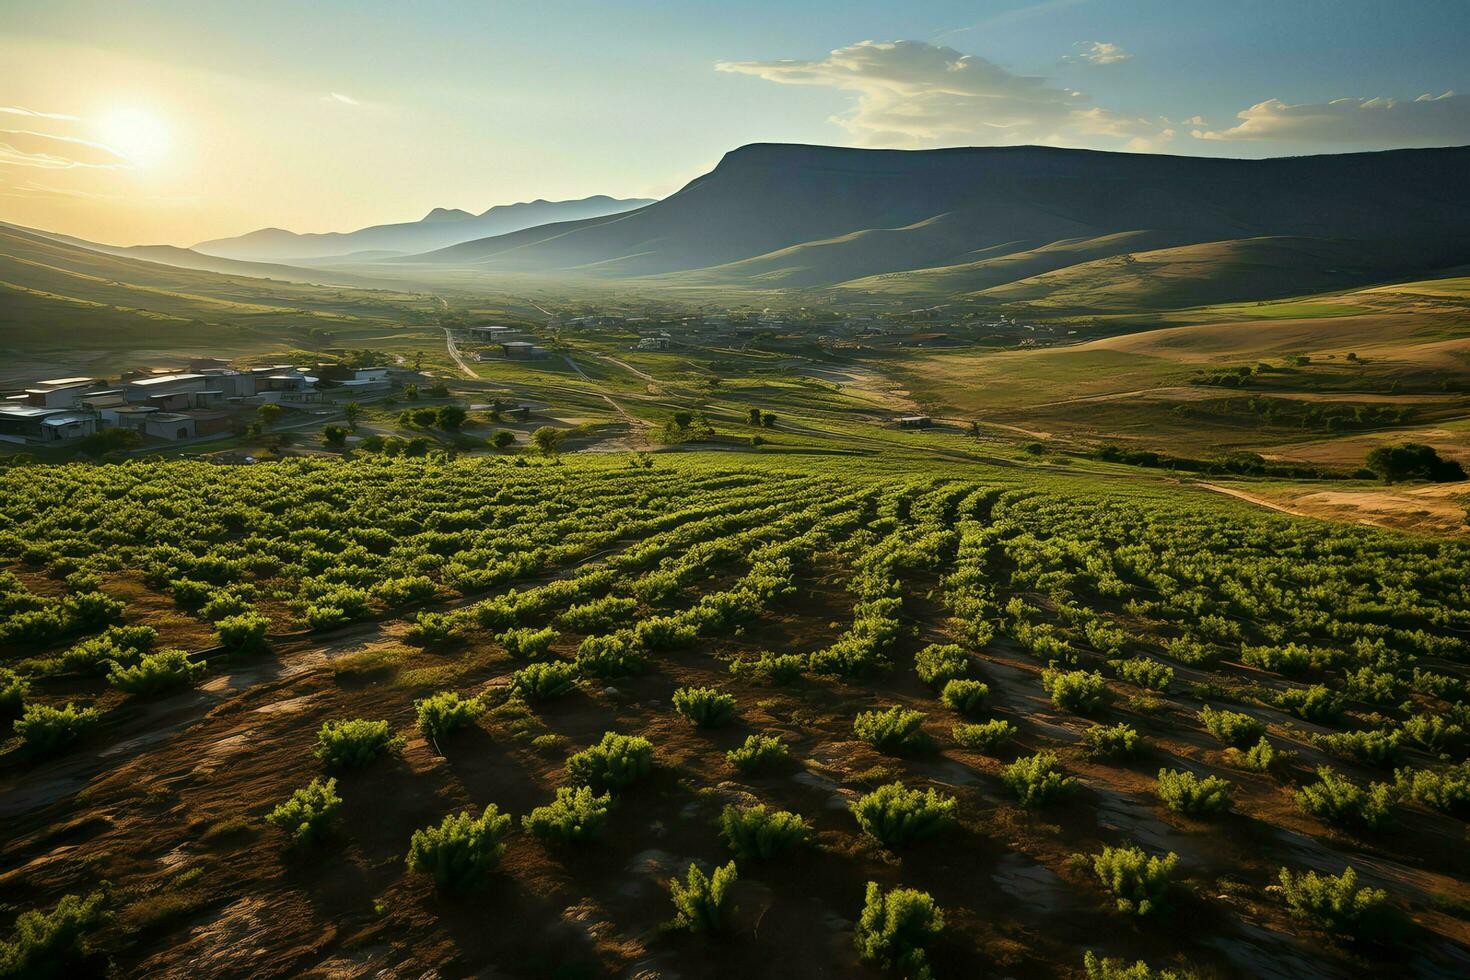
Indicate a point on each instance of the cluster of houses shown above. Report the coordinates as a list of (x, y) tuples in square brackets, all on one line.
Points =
[(172, 404), (512, 342)]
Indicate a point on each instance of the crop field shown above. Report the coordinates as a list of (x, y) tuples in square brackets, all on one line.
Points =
[(616, 715)]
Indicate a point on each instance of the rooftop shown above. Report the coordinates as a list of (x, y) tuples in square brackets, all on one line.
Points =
[(163, 379)]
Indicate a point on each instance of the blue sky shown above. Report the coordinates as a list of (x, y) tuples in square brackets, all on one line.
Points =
[(188, 120)]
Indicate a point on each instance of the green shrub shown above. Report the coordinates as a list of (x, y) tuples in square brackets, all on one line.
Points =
[(1075, 690), (1260, 757), (702, 903), (532, 644), (544, 681), (1374, 747), (614, 763), (45, 729), (1434, 733), (115, 645), (984, 737), (1110, 969), (441, 715), (46, 944), (432, 628), (758, 752), (1036, 780), (772, 668), (1231, 727), (575, 815), (13, 691), (1145, 673), (939, 663), (1317, 703), (1337, 800), (1139, 882), (964, 696), (756, 833), (1447, 791), (155, 673), (462, 850), (243, 632), (705, 706), (1339, 904), (599, 614), (613, 655), (1118, 741), (895, 928), (895, 730), (354, 743), (306, 815), (1184, 792), (895, 815)]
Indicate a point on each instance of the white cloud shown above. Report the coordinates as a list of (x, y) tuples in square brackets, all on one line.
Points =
[(1099, 53), (25, 148), (1425, 121), (911, 93), (16, 110), (340, 98)]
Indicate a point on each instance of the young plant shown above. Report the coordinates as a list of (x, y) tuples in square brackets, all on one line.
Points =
[(964, 696), (985, 737), (702, 903), (46, 944), (614, 763), (1374, 747), (705, 706), (611, 655), (896, 927), (244, 632), (532, 644), (353, 743), (1260, 757), (1075, 690), (1139, 882), (13, 690), (1231, 727), (1100, 968), (895, 815), (544, 681), (1036, 780), (1184, 792), (155, 673), (461, 850), (1337, 800), (895, 730), (1118, 741), (1145, 673), (939, 663), (575, 815), (441, 715), (45, 729), (756, 833), (1338, 903), (770, 668), (1447, 790), (758, 752), (306, 815)]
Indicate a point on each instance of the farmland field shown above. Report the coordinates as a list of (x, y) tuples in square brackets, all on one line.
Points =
[(1082, 713)]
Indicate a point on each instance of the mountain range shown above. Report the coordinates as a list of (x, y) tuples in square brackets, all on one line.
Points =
[(439, 228)]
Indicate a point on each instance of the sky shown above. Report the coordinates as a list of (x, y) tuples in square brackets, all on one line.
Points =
[(176, 121)]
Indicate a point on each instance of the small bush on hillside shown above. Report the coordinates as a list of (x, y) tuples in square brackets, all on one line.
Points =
[(1374, 747), (894, 730), (599, 614), (306, 815), (1317, 703), (575, 815), (1109, 969), (1036, 780), (614, 763), (1447, 791), (1231, 727), (1260, 757), (461, 850), (46, 729), (1337, 800), (1184, 792), (243, 632), (441, 715), (155, 673), (756, 833), (532, 644), (1148, 674), (1434, 733), (964, 696), (46, 944), (938, 663), (771, 668), (758, 752), (354, 743), (895, 815), (544, 681), (115, 645), (1339, 904), (702, 903), (985, 737), (13, 690), (1140, 882), (1118, 741), (613, 655), (896, 927), (432, 628), (705, 706), (1075, 690)]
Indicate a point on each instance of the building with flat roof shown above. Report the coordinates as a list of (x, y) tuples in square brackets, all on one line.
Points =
[(142, 389), (169, 425), (21, 423)]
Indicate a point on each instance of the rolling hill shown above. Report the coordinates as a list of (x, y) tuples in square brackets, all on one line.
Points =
[(972, 220), (439, 228)]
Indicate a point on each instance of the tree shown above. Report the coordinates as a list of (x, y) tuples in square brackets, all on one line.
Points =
[(438, 390), (452, 417), (753, 417), (768, 420), (352, 411), (502, 438), (974, 431), (547, 439), (334, 436), (411, 392), (1411, 461), (418, 360), (269, 413)]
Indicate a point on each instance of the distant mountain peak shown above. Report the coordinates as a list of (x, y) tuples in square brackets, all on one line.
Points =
[(447, 214)]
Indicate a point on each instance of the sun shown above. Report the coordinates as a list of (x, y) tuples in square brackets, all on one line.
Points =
[(137, 134)]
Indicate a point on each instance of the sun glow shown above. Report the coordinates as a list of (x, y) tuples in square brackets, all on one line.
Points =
[(137, 134)]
